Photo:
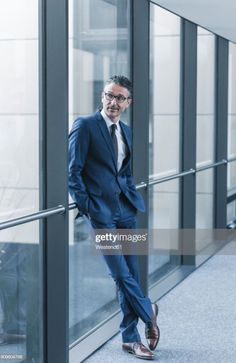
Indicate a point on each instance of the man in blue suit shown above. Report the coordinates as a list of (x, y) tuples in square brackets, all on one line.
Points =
[(101, 184)]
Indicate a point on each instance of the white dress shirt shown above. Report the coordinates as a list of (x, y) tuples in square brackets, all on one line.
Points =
[(122, 152)]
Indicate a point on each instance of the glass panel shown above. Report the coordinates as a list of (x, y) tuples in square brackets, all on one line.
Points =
[(205, 97), (204, 204), (99, 48), (20, 294), (164, 128), (165, 100), (19, 121), (231, 212), (163, 214), (231, 178), (88, 277), (205, 133), (231, 102), (231, 175), (20, 304), (232, 135)]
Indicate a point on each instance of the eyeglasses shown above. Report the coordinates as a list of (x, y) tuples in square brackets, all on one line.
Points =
[(119, 98)]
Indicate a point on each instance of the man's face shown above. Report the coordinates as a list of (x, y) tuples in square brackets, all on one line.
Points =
[(114, 108)]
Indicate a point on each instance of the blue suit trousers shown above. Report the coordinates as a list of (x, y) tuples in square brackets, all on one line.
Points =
[(125, 272)]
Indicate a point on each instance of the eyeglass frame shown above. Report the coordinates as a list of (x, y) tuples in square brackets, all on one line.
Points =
[(116, 97)]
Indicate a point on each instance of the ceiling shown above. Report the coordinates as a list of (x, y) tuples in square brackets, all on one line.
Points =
[(218, 16)]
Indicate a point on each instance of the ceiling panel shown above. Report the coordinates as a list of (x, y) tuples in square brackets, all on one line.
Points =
[(215, 15)]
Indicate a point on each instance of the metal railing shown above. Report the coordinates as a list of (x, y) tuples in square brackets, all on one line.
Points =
[(153, 181), (60, 209)]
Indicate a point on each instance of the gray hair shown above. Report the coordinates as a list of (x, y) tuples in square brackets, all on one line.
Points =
[(121, 81)]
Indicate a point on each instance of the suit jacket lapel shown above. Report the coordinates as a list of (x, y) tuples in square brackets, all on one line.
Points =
[(105, 133), (128, 144), (127, 140)]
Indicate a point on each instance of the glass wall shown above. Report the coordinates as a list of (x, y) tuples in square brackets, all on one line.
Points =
[(164, 126), (231, 180), (205, 97), (231, 211), (19, 124), (205, 130), (19, 180), (20, 294), (99, 46)]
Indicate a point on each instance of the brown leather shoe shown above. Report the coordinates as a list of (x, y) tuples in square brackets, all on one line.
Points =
[(152, 331), (139, 350)]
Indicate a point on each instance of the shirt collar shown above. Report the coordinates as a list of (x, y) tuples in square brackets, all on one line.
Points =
[(108, 121)]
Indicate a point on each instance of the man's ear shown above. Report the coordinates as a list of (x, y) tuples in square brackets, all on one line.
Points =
[(129, 101)]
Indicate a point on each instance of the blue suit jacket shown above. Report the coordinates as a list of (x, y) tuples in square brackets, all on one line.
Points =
[(94, 181)]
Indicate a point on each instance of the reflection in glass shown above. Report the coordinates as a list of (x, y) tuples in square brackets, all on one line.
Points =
[(204, 204), (165, 104), (231, 135), (163, 214), (19, 180), (231, 171), (19, 122), (231, 212), (164, 128), (231, 178), (205, 97), (92, 294), (20, 293), (231, 102), (98, 48), (205, 131)]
